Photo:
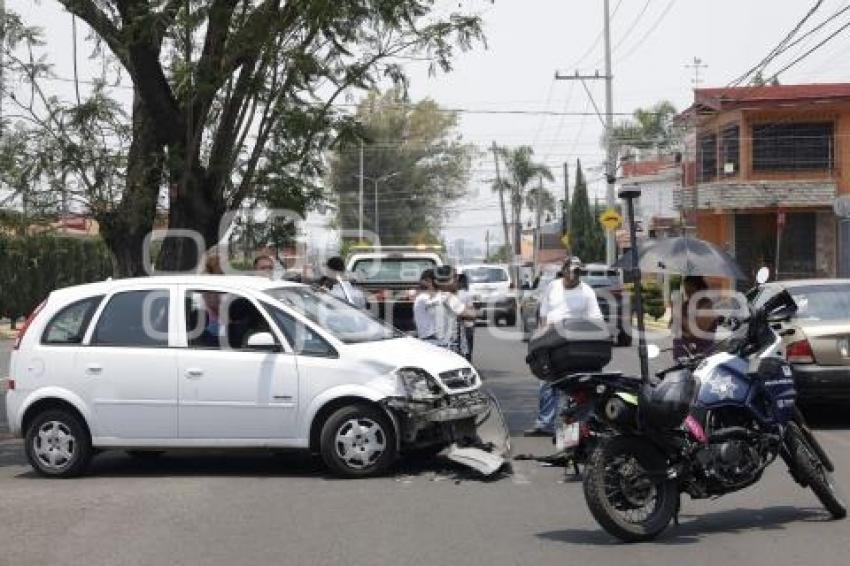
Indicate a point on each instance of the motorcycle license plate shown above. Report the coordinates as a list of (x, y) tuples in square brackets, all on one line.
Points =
[(566, 435)]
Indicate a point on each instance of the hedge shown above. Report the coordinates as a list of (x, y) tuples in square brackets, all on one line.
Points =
[(33, 266)]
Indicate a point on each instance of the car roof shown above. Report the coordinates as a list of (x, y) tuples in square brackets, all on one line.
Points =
[(469, 266), (598, 267), (244, 282), (795, 283)]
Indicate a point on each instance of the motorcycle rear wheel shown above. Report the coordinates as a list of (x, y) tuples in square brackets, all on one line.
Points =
[(617, 483), (811, 471)]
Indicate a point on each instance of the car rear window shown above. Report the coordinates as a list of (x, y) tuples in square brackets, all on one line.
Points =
[(69, 325), (822, 302), (487, 275), (391, 269), (601, 278), (134, 318)]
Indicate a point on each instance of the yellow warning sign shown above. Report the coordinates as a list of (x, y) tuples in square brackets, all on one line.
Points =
[(610, 219), (565, 241)]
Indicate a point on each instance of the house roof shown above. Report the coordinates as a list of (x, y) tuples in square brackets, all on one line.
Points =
[(730, 98)]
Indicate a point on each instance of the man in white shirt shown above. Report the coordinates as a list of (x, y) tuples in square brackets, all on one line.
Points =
[(342, 287), (424, 308), (567, 298), (438, 312)]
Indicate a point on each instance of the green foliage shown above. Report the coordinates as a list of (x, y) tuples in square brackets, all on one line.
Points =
[(421, 167), (587, 238), (650, 129), (33, 266), (653, 298)]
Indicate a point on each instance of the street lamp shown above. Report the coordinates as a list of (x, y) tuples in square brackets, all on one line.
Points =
[(377, 180)]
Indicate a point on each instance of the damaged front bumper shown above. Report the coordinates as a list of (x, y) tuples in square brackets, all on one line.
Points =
[(471, 425)]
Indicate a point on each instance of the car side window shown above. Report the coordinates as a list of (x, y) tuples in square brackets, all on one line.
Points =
[(69, 325), (303, 340), (134, 318), (221, 321)]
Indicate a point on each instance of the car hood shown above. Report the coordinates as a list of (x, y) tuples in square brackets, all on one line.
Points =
[(412, 352)]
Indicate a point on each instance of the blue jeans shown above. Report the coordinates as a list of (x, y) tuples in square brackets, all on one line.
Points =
[(549, 401)]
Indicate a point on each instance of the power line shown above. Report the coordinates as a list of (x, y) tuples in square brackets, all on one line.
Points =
[(631, 27), (773, 53), (649, 31), (810, 51)]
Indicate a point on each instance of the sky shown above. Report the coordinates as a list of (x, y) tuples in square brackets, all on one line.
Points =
[(528, 40)]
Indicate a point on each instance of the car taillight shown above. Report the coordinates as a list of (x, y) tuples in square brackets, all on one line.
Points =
[(800, 353), (17, 343)]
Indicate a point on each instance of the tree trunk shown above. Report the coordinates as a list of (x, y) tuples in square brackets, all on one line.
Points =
[(125, 227), (193, 207)]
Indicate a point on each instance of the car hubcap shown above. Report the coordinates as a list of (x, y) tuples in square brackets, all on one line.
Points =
[(54, 445), (360, 442)]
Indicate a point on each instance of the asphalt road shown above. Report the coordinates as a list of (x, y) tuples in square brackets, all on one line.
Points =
[(260, 509)]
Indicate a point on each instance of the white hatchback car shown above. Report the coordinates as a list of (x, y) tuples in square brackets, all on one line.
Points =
[(229, 362)]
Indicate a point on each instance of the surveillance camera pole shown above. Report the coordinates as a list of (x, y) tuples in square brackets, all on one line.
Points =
[(629, 194)]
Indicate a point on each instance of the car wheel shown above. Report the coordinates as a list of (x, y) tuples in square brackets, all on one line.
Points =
[(510, 319), (57, 444), (358, 441)]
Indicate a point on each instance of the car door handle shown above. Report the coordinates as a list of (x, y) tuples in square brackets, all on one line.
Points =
[(194, 373), (94, 369)]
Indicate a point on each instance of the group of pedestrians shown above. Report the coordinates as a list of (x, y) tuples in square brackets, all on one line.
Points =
[(443, 311)]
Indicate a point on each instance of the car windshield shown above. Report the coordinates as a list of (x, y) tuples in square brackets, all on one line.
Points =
[(486, 275), (390, 269), (347, 323), (822, 302)]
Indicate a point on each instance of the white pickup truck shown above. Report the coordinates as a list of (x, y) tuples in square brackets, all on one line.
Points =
[(389, 275)]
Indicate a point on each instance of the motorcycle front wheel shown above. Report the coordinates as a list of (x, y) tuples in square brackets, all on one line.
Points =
[(808, 469), (627, 491)]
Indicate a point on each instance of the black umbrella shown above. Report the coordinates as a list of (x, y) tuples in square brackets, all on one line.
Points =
[(683, 256)]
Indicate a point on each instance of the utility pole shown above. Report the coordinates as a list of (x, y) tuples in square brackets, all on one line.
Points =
[(360, 225), (565, 209), (501, 198), (697, 65), (487, 245), (611, 160), (537, 219)]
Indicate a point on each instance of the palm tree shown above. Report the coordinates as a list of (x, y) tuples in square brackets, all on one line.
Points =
[(499, 186), (521, 171), (650, 128)]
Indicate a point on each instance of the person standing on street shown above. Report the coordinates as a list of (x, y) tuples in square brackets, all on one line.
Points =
[(468, 323), (424, 311), (566, 298), (342, 287)]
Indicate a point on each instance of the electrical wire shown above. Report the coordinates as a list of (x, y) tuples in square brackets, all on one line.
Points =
[(810, 51), (773, 53), (650, 31)]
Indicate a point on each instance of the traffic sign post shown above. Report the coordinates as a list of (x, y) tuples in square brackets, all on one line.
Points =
[(610, 219)]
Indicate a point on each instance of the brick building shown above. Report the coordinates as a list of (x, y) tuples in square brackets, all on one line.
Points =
[(766, 164)]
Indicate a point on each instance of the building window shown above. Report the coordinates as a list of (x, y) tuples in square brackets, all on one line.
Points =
[(730, 150), (790, 147), (707, 157)]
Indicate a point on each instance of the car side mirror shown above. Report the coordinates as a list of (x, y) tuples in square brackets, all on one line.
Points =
[(262, 342)]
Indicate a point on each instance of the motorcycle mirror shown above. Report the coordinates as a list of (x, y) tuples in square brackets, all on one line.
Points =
[(763, 275), (652, 351)]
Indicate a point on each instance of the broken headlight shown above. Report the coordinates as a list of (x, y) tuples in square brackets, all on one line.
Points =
[(419, 384)]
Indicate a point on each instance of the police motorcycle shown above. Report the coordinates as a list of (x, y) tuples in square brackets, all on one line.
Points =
[(708, 426)]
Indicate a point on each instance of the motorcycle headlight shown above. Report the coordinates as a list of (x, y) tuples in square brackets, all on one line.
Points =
[(419, 384)]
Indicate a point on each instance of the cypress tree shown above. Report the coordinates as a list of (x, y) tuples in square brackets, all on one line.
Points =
[(586, 234)]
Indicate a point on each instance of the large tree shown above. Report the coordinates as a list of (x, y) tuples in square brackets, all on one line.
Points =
[(587, 239), (219, 85), (412, 152)]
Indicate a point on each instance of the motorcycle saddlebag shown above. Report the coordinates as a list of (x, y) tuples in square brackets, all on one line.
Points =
[(666, 404), (569, 346)]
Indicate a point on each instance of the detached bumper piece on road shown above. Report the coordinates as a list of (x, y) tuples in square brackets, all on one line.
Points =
[(471, 424)]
